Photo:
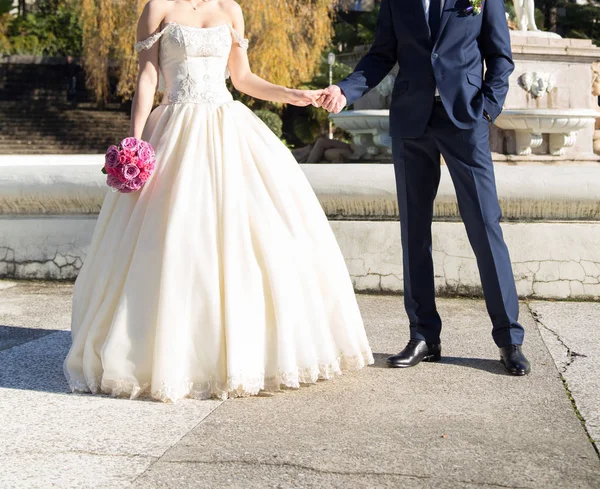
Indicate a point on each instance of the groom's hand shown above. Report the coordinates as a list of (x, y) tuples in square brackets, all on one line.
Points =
[(302, 98), (333, 99)]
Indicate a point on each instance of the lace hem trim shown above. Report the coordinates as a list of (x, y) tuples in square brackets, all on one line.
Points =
[(236, 385)]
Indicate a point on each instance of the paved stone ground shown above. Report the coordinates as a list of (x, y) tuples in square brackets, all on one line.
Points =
[(461, 423), (571, 331)]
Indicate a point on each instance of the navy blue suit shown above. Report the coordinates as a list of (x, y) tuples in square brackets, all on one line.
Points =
[(422, 129)]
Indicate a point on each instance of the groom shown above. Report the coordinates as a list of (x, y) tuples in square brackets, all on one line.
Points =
[(443, 104)]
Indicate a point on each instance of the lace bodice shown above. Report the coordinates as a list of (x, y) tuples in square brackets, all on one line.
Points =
[(193, 62)]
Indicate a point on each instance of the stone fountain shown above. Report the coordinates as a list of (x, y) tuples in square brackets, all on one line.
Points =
[(549, 114), (547, 175)]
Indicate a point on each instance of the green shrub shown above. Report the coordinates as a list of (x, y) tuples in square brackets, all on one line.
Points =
[(5, 6), (26, 45), (272, 120), (52, 30)]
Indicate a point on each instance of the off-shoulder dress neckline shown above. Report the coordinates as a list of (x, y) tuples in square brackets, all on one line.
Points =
[(149, 41), (228, 24)]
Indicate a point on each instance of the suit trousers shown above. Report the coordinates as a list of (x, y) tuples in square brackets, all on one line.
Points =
[(417, 169)]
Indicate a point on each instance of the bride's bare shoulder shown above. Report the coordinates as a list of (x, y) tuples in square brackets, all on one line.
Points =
[(157, 8), (151, 17), (231, 7), (233, 10)]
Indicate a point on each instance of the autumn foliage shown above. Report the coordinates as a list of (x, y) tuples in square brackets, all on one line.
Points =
[(286, 37)]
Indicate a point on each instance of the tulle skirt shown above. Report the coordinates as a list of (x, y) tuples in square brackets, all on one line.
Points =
[(220, 278)]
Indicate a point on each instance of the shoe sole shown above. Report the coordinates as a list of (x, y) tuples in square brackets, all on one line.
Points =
[(428, 358)]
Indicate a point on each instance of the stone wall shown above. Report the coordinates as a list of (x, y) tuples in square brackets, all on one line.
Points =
[(49, 205)]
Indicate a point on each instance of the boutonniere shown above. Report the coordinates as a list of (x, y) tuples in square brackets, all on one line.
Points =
[(474, 8)]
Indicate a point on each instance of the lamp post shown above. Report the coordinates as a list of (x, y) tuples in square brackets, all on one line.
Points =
[(331, 62)]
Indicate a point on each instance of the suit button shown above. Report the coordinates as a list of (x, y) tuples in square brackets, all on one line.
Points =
[(435, 55)]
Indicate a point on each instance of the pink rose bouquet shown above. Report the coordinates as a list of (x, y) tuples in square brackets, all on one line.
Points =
[(129, 165)]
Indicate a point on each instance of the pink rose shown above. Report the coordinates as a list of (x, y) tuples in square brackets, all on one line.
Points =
[(132, 185), (114, 181), (130, 171), (144, 176), (111, 160), (145, 151), (120, 175), (130, 144), (112, 171), (136, 183), (124, 158), (150, 164)]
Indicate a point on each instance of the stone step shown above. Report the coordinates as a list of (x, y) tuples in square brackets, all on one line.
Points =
[(49, 145), (16, 128), (53, 148), (66, 115), (34, 118), (47, 126), (43, 151), (19, 105), (99, 145), (99, 123), (62, 113)]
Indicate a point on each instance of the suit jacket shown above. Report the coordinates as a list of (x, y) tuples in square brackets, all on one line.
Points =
[(454, 63)]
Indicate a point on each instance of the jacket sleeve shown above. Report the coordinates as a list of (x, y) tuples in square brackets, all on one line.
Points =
[(494, 42), (377, 63)]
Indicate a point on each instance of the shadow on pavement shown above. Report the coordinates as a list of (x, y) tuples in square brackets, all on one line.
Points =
[(11, 336), (485, 364), (32, 359)]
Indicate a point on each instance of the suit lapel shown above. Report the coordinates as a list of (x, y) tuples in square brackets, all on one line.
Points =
[(447, 11)]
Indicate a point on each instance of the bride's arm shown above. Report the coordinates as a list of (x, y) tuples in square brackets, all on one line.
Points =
[(247, 82), (147, 81)]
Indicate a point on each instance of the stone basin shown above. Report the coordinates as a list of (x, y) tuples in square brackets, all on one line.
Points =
[(369, 130), (530, 124)]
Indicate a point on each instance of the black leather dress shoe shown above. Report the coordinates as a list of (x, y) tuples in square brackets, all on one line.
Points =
[(514, 361), (416, 351)]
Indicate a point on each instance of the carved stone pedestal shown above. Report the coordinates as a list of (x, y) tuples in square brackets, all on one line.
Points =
[(561, 126)]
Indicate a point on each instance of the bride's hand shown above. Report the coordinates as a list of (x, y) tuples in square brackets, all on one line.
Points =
[(302, 98)]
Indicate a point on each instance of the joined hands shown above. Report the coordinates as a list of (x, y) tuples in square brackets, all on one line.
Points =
[(331, 98)]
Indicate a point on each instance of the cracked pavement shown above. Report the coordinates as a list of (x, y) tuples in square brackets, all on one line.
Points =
[(460, 423), (570, 331)]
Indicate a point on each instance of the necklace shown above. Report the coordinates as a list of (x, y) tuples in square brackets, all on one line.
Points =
[(202, 1)]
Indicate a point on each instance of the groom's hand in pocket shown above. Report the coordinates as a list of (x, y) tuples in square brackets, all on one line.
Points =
[(333, 99)]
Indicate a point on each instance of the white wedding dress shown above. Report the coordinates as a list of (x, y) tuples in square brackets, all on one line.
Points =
[(222, 276)]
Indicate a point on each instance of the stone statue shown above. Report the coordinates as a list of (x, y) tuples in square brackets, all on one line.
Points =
[(596, 79), (537, 84), (525, 13), (596, 93)]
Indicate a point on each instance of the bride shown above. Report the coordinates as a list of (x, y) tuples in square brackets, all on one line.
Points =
[(221, 277)]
